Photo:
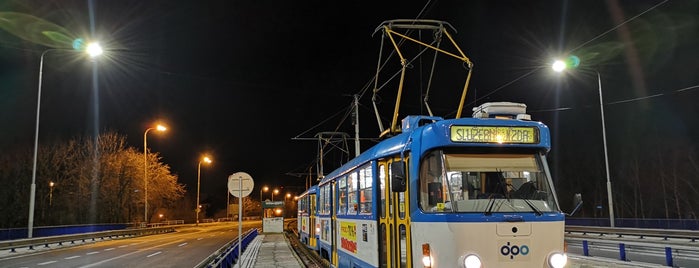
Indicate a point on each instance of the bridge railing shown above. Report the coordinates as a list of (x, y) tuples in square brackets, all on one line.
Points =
[(227, 255), (71, 238), (674, 245), (679, 224)]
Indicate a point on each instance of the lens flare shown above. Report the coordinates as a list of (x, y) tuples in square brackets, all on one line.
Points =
[(36, 30)]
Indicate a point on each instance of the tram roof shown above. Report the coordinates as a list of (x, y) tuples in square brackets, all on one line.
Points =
[(438, 128)]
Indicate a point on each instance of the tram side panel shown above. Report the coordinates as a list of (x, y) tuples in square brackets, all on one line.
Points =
[(358, 245)]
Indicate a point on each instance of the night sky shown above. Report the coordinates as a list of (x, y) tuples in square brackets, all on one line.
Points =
[(239, 80)]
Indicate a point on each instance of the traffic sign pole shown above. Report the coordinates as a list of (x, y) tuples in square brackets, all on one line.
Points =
[(241, 189)]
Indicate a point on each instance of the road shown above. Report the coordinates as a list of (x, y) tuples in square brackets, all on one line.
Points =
[(187, 247)]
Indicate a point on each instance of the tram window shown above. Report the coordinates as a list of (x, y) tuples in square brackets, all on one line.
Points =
[(352, 194), (325, 200), (434, 193), (365, 193), (382, 246), (382, 194), (403, 247), (342, 199), (467, 183)]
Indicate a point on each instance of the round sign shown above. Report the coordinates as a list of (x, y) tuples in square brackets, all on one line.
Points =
[(240, 184)]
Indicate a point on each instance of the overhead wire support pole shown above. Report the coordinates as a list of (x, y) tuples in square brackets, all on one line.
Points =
[(356, 126)]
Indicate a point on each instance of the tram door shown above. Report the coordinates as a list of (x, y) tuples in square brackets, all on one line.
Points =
[(394, 228), (312, 221), (333, 222)]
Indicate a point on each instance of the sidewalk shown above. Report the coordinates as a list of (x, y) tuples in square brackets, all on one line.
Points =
[(270, 251)]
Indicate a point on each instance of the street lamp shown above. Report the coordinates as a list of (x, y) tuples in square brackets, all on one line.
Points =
[(207, 160), (51, 185), (264, 188), (560, 66), (160, 128), (94, 51), (276, 191)]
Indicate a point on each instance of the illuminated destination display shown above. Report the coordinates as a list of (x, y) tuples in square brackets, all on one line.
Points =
[(494, 134)]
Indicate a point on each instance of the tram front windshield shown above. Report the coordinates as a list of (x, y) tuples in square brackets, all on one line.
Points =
[(484, 183)]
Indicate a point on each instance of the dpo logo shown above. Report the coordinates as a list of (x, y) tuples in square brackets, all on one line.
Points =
[(514, 250)]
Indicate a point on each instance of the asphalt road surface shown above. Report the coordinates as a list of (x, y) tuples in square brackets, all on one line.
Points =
[(187, 247)]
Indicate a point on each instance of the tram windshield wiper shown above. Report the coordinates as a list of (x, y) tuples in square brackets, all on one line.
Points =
[(532, 206), (489, 207)]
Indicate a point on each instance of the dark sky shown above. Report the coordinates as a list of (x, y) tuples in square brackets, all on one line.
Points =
[(238, 80)]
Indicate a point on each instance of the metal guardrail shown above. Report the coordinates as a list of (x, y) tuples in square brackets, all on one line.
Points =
[(693, 236), (627, 241), (227, 255), (60, 239)]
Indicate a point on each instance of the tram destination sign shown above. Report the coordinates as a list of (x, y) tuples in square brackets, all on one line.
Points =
[(492, 134)]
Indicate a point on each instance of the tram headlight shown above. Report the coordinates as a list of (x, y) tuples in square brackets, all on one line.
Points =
[(472, 261), (557, 259)]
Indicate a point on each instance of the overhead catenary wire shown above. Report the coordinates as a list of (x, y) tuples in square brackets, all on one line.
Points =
[(676, 91)]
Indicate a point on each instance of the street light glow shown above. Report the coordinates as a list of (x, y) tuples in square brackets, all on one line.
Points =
[(94, 49), (558, 66), (207, 159), (161, 128)]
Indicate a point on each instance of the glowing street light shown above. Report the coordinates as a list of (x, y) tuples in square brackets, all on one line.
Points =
[(93, 52), (573, 61), (263, 189), (276, 191), (94, 49), (160, 128), (51, 185), (207, 160)]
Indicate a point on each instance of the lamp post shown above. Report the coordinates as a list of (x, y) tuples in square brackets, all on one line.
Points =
[(263, 189), (160, 128), (288, 195), (51, 185), (207, 160), (560, 66), (94, 50), (276, 191)]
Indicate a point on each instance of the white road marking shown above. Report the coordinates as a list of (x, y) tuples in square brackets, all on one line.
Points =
[(97, 264), (71, 257), (109, 249), (123, 246), (45, 263), (183, 244), (200, 238), (151, 255), (94, 252)]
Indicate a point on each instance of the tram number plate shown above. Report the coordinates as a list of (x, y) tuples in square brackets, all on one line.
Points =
[(490, 134)]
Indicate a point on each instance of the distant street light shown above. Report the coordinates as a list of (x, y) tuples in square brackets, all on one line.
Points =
[(207, 160), (560, 66), (287, 196), (160, 128), (264, 188), (276, 191), (51, 185), (94, 50)]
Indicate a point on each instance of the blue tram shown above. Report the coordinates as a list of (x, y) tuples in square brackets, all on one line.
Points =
[(307, 218), (465, 192)]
